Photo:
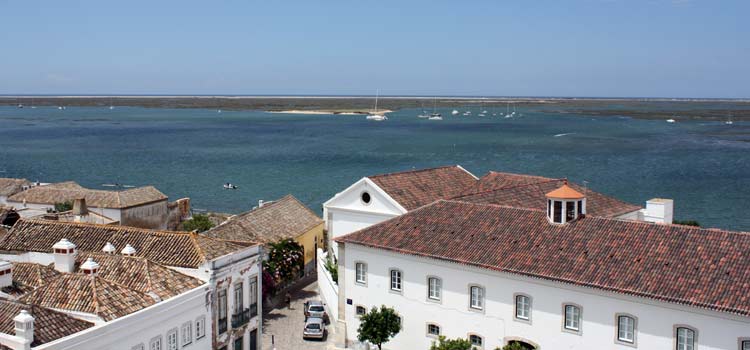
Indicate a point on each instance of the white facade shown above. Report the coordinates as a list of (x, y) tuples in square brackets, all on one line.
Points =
[(347, 211), (150, 215), (655, 322)]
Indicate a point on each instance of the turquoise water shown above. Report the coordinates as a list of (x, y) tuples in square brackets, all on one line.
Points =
[(704, 166)]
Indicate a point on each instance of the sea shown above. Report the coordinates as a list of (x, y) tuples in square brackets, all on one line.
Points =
[(703, 165)]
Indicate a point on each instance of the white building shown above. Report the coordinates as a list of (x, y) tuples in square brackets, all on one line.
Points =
[(141, 289), (378, 198), (550, 278)]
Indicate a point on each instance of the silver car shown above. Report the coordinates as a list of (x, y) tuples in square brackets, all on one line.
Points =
[(314, 329), (315, 308)]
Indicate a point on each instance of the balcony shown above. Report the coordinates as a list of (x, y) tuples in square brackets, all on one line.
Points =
[(223, 325), (241, 318), (253, 310)]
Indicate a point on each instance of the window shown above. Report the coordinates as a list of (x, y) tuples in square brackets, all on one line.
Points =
[(200, 327), (366, 198), (580, 208), (361, 269), (361, 310), (238, 344), (434, 288), (433, 329), (477, 297), (557, 212), (222, 311), (172, 339), (396, 280), (572, 318), (570, 211), (523, 307), (238, 298), (685, 339), (138, 347), (476, 341), (549, 208), (253, 290), (187, 333), (626, 329), (155, 343), (745, 345)]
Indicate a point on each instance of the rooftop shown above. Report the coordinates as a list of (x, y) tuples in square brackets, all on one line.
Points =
[(274, 221), (10, 186), (29, 276), (677, 264), (69, 191), (178, 249), (49, 325), (415, 188)]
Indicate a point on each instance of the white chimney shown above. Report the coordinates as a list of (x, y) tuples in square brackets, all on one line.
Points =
[(260, 203), (90, 267), (65, 256), (109, 248), (79, 209), (25, 327), (6, 274), (128, 250), (658, 210)]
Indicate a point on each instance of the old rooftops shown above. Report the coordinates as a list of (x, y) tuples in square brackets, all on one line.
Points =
[(10, 186), (49, 325), (415, 188), (69, 191), (671, 263)]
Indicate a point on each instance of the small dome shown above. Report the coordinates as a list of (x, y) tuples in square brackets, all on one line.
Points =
[(90, 266), (565, 192), (64, 244), (24, 317), (109, 248), (128, 250)]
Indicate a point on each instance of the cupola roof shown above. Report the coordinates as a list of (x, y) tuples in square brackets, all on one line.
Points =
[(565, 192)]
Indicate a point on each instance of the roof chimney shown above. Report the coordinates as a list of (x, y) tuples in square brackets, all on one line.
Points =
[(260, 203), (79, 207), (25, 327), (109, 248), (658, 210), (128, 250), (6, 274), (65, 256), (90, 267)]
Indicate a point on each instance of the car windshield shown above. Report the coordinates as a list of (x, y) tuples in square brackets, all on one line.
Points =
[(313, 326), (316, 308)]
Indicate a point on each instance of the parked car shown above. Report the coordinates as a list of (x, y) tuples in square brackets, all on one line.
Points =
[(315, 308), (315, 328)]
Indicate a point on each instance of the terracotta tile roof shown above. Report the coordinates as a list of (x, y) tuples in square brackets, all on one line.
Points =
[(49, 325), (565, 192), (525, 191), (141, 275), (671, 263), (179, 249), (274, 221), (413, 189), (69, 191), (29, 276), (89, 294), (10, 186)]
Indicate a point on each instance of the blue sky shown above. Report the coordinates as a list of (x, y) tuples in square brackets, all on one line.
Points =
[(629, 48)]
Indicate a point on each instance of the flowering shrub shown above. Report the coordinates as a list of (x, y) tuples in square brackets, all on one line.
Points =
[(284, 260)]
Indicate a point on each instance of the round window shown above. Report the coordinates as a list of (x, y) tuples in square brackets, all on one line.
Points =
[(366, 197)]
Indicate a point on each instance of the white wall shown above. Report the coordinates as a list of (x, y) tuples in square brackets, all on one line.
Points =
[(345, 222), (329, 290), (140, 327), (655, 320)]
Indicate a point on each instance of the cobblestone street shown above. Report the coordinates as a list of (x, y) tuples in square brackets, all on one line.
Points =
[(285, 325)]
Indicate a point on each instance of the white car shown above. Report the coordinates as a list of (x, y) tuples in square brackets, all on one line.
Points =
[(315, 328)]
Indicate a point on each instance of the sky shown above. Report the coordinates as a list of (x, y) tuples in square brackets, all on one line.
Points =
[(598, 48)]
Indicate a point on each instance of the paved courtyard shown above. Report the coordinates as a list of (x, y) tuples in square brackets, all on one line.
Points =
[(286, 324)]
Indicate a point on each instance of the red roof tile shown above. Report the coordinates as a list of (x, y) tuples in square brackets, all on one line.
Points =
[(49, 325), (413, 189), (671, 263)]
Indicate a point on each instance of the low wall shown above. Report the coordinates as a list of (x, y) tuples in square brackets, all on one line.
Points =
[(329, 290)]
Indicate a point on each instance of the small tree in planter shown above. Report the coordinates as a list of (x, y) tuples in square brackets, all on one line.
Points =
[(451, 344), (284, 260), (379, 325)]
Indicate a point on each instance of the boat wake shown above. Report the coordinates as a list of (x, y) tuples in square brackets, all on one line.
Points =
[(561, 135)]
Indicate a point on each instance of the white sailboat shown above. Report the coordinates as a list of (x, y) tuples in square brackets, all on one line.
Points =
[(374, 115), (507, 111), (435, 115), (729, 121), (670, 120), (455, 112)]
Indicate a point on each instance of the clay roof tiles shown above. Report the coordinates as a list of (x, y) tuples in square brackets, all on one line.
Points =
[(49, 325), (413, 189), (10, 186), (69, 191), (671, 263)]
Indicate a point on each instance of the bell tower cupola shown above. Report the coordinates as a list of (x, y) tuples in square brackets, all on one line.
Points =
[(565, 204)]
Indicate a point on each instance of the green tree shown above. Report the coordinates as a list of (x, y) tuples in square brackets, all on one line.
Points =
[(451, 344), (687, 223), (199, 222), (515, 345), (285, 260), (64, 206), (379, 325), (333, 269)]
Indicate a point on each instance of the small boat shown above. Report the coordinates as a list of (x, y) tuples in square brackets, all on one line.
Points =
[(481, 115), (218, 111), (455, 112), (111, 107), (729, 121), (59, 107), (484, 112), (378, 117), (229, 186), (20, 105), (670, 120), (467, 113), (424, 115), (435, 117)]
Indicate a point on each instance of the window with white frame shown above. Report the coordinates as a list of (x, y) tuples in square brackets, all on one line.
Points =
[(523, 307), (476, 299), (626, 329), (745, 345), (396, 280), (685, 338), (238, 298), (200, 327), (139, 347), (572, 318), (433, 329), (187, 333), (172, 339), (476, 341), (434, 288), (253, 289), (361, 310), (361, 275), (155, 343)]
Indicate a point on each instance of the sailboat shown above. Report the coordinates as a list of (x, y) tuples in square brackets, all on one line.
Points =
[(378, 117), (111, 107), (435, 114), (507, 111), (424, 114), (729, 121), (455, 112), (482, 113)]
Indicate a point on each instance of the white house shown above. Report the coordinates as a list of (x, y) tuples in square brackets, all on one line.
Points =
[(138, 288), (550, 278), (378, 198)]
